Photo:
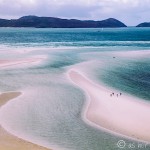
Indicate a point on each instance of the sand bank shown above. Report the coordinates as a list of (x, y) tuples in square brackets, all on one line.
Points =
[(5, 97), (122, 114), (8, 141), (7, 63)]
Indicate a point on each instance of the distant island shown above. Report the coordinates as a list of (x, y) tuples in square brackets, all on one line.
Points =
[(51, 22), (145, 24)]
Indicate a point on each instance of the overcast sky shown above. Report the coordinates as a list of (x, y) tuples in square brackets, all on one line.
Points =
[(131, 12)]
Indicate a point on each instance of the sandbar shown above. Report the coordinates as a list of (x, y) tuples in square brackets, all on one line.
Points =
[(119, 114)]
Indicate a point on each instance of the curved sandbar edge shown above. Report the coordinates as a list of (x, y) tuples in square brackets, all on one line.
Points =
[(120, 114), (7, 140)]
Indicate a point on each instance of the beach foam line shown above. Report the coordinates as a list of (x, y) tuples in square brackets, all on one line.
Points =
[(122, 115), (9, 141)]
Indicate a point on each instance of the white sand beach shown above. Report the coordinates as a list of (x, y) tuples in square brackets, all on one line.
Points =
[(123, 114), (8, 141)]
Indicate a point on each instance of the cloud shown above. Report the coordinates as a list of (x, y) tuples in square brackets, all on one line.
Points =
[(131, 12)]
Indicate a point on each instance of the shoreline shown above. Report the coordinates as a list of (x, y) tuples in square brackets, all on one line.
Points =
[(124, 115), (9, 141)]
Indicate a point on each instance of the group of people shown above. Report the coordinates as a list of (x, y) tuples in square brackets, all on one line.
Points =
[(113, 94)]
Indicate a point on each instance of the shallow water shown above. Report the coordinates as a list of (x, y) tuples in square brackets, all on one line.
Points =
[(50, 109)]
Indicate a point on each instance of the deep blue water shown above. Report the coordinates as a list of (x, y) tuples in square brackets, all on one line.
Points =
[(125, 37)]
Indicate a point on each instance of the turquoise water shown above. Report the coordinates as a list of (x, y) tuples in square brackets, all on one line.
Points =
[(50, 109), (132, 77), (124, 37)]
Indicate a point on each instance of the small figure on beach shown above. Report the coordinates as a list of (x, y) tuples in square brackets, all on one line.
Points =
[(113, 94)]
